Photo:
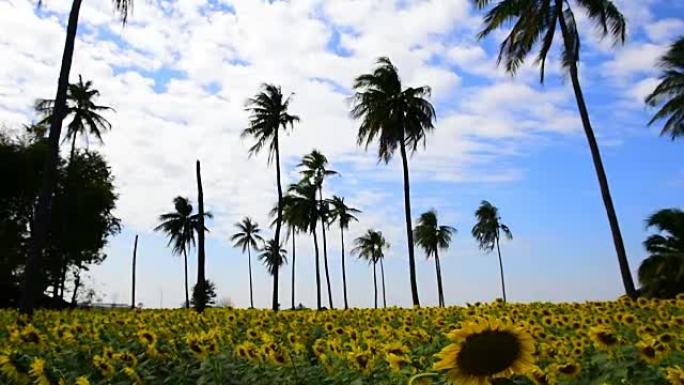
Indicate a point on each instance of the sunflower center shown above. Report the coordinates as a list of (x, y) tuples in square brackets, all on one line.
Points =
[(488, 353)]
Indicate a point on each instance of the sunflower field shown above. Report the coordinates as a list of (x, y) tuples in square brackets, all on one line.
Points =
[(621, 342)]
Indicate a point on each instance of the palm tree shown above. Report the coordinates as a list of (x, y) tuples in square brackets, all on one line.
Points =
[(370, 247), (33, 271), (180, 226), (269, 113), (487, 231), (248, 238), (135, 255), (85, 114), (397, 118), (313, 168), (662, 273), (85, 119), (670, 91), (343, 214), (536, 21), (303, 213), (273, 256), (201, 286), (432, 237)]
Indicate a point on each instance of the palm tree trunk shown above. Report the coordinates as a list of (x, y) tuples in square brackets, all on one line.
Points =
[(409, 231), (201, 280), (440, 289), (318, 271), (294, 234), (344, 271), (275, 287), (279, 217), (627, 280), (32, 279), (77, 284), (375, 285), (135, 252), (503, 284), (325, 256), (62, 281), (382, 275), (249, 263), (185, 263)]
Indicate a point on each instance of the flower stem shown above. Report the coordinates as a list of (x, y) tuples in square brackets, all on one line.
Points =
[(421, 375)]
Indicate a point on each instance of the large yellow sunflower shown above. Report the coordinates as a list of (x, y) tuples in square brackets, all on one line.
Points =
[(484, 350)]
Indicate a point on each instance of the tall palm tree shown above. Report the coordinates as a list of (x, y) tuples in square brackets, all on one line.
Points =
[(273, 257), (487, 231), (536, 21), (314, 169), (397, 117), (303, 214), (370, 247), (247, 238), (180, 226), (268, 113), (292, 222), (662, 273), (432, 237), (343, 214), (670, 91), (33, 272)]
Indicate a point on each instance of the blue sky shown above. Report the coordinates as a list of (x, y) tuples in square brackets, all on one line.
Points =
[(178, 76)]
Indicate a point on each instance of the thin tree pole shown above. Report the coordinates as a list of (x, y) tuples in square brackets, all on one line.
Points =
[(440, 289), (201, 280), (382, 275), (318, 270), (294, 234), (325, 253), (409, 230), (249, 262), (185, 265), (135, 252), (503, 284), (375, 284), (344, 270)]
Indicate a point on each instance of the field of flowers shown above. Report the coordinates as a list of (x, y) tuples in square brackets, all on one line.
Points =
[(622, 342)]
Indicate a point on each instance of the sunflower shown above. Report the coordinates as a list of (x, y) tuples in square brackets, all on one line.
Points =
[(147, 337), (396, 362), (569, 369), (675, 375), (103, 365), (650, 350), (604, 337), (83, 380), (484, 350)]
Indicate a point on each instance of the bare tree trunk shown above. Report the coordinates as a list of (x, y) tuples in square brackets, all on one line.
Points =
[(440, 289), (275, 287), (409, 230), (77, 284), (318, 270), (382, 275), (626, 273), (251, 292), (294, 235), (201, 280), (503, 284), (33, 276), (135, 252), (279, 217), (185, 265), (344, 271)]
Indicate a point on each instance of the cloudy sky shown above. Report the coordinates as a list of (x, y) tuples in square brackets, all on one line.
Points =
[(178, 76)]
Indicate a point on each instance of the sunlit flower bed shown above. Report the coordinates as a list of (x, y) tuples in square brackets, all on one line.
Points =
[(622, 342)]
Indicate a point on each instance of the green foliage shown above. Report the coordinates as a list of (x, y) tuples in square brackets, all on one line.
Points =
[(662, 273), (205, 295), (430, 236), (488, 229), (669, 94)]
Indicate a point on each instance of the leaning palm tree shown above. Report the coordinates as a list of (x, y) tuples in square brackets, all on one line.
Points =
[(432, 237), (343, 214), (662, 273), (180, 226), (269, 113), (314, 169), (670, 92), (398, 118), (247, 238), (32, 273), (370, 247), (487, 231), (273, 257), (535, 22)]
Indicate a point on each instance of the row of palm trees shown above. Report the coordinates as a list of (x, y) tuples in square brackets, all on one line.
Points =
[(397, 117)]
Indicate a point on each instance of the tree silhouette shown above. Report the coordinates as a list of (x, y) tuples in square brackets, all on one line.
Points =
[(273, 257), (343, 214), (432, 237), (669, 94), (487, 231), (247, 238), (535, 22), (397, 118), (370, 247), (662, 273)]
